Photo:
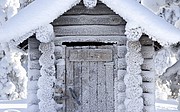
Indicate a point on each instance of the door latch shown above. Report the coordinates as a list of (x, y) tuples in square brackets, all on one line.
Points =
[(74, 96)]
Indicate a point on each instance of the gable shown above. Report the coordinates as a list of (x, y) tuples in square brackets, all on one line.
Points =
[(39, 13), (81, 21)]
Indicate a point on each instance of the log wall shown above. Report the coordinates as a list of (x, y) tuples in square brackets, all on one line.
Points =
[(148, 74), (80, 21), (33, 73)]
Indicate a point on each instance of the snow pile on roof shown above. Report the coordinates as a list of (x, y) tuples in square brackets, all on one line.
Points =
[(42, 12), (38, 13), (153, 5), (152, 25)]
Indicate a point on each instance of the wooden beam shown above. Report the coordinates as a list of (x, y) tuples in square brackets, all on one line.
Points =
[(90, 30)]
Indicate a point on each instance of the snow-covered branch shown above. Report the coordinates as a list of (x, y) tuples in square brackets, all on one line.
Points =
[(171, 71)]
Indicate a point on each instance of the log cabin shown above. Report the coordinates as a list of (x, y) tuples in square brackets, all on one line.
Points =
[(88, 56)]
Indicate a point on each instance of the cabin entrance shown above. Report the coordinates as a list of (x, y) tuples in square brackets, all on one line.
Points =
[(89, 77)]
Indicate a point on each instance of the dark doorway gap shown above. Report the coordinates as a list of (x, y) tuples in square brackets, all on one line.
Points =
[(86, 43)]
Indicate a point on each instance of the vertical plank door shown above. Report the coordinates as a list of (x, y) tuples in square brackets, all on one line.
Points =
[(90, 76)]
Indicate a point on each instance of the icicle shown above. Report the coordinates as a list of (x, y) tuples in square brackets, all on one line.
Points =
[(90, 3)]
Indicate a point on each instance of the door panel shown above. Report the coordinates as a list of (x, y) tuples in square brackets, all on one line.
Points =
[(89, 83)]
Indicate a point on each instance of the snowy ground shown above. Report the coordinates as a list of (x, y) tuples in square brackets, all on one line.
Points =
[(166, 106), (13, 106), (20, 106)]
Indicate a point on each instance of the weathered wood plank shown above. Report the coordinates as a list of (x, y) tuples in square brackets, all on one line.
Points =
[(33, 43), (109, 87), (121, 51), (89, 20), (100, 9), (148, 87), (85, 87), (32, 98), (33, 75), (148, 64), (148, 76), (101, 88), (77, 83), (90, 55), (122, 63), (60, 83), (149, 99), (93, 86), (147, 51), (146, 41), (90, 30), (149, 109), (34, 65), (34, 54), (59, 52), (120, 75), (70, 107), (111, 39)]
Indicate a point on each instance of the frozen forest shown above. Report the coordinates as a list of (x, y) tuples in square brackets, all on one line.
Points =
[(14, 66)]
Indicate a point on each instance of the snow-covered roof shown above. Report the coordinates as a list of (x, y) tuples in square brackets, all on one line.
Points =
[(42, 12)]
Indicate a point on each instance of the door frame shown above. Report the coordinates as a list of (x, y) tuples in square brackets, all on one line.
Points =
[(116, 40)]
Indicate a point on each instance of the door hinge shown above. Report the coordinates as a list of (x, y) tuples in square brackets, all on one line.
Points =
[(74, 96)]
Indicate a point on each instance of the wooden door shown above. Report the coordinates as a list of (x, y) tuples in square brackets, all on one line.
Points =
[(89, 79)]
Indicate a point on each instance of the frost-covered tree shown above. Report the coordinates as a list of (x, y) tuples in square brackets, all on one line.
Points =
[(153, 5), (13, 77), (170, 11), (9, 8), (163, 59), (24, 3)]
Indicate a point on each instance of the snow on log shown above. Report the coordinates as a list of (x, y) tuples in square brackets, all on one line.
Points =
[(32, 99), (148, 87), (45, 33), (121, 63), (119, 85), (148, 76), (148, 64), (152, 25), (37, 14), (149, 109), (47, 79), (133, 79), (121, 74), (33, 75), (147, 51), (33, 108), (121, 51), (34, 54), (90, 3), (34, 65), (149, 99)]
